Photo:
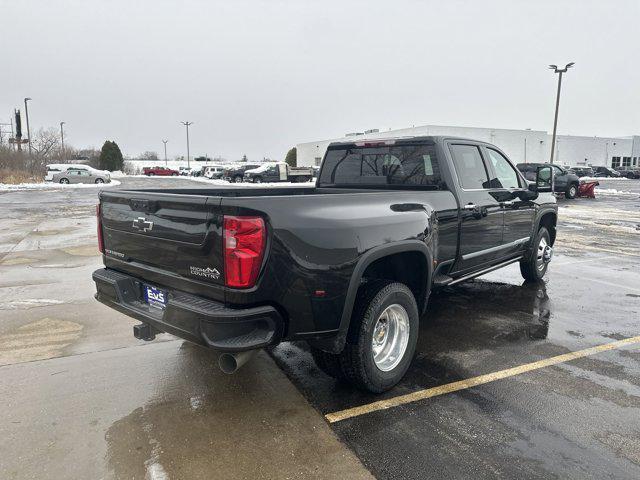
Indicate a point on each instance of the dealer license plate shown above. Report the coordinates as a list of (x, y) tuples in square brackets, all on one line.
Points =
[(155, 297)]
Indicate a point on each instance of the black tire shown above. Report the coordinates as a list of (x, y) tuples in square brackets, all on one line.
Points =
[(257, 180), (64, 181), (529, 266), (356, 360), (572, 191), (329, 363), (237, 179), (99, 180)]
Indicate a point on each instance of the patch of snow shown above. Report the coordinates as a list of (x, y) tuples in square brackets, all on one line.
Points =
[(604, 179), (613, 191), (55, 186)]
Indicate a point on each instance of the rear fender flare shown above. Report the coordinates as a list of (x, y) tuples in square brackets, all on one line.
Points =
[(365, 260)]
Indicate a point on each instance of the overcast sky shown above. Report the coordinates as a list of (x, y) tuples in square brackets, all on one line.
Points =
[(257, 77)]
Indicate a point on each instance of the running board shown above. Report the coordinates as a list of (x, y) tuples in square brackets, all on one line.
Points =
[(441, 280), (469, 276)]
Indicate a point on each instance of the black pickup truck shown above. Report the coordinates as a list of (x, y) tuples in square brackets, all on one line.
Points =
[(347, 266)]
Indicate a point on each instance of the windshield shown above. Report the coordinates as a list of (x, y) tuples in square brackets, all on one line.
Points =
[(404, 165)]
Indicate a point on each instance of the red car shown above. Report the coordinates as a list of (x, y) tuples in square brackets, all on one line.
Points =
[(160, 171)]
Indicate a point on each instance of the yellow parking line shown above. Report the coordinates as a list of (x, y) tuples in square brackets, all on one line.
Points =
[(475, 381)]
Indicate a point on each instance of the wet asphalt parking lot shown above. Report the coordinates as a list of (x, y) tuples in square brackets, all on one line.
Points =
[(81, 398)]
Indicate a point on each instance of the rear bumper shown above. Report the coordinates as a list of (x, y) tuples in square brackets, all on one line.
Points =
[(192, 318)]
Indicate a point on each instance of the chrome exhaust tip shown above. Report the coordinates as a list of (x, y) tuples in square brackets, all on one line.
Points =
[(230, 362)]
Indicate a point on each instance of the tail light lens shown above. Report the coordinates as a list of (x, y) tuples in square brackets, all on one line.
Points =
[(100, 238), (244, 244)]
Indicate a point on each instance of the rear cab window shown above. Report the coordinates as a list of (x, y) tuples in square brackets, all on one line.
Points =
[(380, 164)]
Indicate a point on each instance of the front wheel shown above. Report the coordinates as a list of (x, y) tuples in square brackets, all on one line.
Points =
[(99, 180), (572, 191), (64, 181), (534, 265), (257, 180), (381, 340), (237, 179)]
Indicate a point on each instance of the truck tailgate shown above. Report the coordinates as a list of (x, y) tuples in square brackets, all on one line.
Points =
[(168, 233)]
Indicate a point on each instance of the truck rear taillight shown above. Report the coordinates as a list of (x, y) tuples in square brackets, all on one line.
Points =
[(99, 221), (244, 244)]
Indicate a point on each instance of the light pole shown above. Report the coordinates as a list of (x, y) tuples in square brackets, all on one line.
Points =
[(62, 136), (560, 71), (186, 124), (26, 112), (165, 151)]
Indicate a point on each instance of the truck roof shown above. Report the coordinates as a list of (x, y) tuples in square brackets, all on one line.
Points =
[(430, 139)]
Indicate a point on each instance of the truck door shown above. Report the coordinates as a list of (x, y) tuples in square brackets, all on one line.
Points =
[(482, 215), (560, 179), (518, 213)]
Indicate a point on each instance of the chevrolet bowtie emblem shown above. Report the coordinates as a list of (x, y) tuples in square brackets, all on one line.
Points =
[(142, 224)]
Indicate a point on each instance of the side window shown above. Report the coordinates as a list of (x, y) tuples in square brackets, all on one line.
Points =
[(469, 166), (505, 172), (557, 171)]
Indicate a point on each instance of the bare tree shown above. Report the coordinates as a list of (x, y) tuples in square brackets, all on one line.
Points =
[(45, 142), (148, 155)]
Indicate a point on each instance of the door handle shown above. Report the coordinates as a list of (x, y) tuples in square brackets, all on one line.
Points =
[(470, 206), (507, 203)]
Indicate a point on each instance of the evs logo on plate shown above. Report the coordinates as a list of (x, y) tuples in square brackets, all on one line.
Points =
[(155, 297)]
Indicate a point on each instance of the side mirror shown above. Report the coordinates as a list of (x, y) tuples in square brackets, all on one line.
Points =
[(544, 180)]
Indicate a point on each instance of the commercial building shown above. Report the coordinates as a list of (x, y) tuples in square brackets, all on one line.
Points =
[(521, 146)]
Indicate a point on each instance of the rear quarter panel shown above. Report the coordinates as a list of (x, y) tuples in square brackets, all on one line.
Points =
[(316, 242)]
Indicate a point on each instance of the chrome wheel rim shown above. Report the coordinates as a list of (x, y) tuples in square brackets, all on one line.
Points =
[(544, 254), (390, 337)]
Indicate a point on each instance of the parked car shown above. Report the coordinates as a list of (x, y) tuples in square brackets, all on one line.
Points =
[(563, 182), (605, 172), (629, 172), (54, 168), (235, 173), (160, 172), (582, 171), (347, 265), (81, 174), (213, 171), (184, 171), (278, 172)]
